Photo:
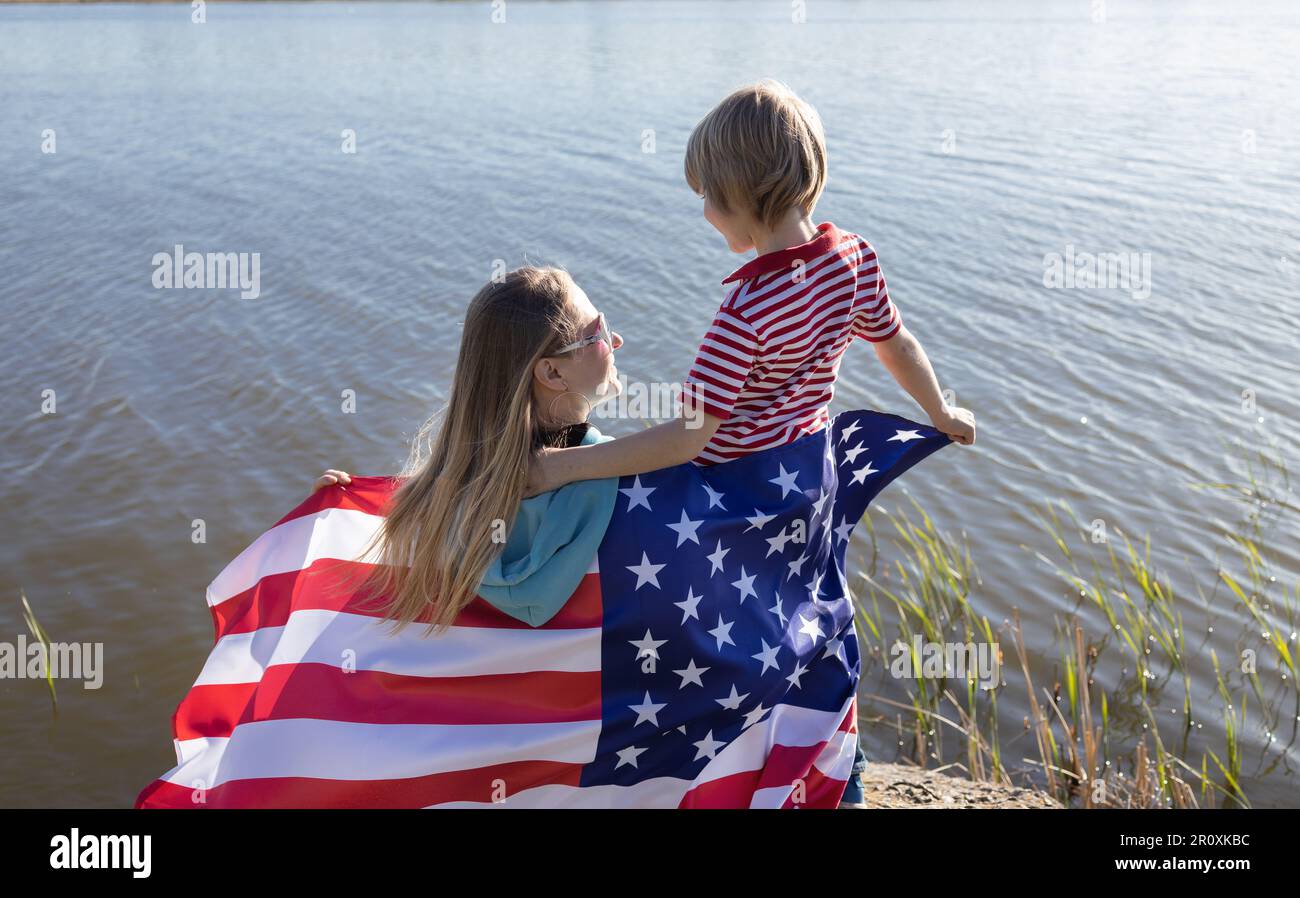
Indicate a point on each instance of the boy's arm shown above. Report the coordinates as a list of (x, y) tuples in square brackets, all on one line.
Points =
[(671, 443), (906, 360)]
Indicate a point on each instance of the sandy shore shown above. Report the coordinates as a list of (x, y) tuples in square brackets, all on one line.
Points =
[(900, 786)]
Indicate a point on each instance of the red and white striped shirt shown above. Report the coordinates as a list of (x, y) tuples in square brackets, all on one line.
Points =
[(768, 362)]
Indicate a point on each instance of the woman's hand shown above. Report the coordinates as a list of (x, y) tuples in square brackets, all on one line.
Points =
[(957, 423), (331, 477)]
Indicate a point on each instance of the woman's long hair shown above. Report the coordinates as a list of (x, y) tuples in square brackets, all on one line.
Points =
[(448, 519)]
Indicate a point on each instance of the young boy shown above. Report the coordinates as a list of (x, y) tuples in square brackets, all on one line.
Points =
[(766, 370)]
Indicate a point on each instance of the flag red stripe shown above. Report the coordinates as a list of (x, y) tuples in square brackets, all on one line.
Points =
[(325, 692), (368, 494), (270, 602), (820, 792), (784, 764), (733, 791), (411, 792)]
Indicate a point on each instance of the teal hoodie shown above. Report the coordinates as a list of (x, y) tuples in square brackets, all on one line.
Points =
[(551, 544)]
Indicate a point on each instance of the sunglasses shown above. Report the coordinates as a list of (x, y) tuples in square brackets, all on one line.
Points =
[(602, 333)]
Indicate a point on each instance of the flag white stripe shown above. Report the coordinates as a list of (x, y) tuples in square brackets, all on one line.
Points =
[(836, 759), (788, 725), (294, 545), (334, 533), (831, 763), (319, 636), (340, 750), (771, 798), (659, 792)]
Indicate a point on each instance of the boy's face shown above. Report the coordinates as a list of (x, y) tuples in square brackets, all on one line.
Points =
[(736, 227)]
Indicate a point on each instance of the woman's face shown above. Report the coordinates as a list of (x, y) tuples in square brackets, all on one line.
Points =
[(590, 370)]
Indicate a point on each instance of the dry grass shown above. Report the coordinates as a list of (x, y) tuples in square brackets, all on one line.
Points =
[(1079, 754)]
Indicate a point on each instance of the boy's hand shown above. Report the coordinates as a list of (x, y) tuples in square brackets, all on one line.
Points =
[(331, 477), (957, 423)]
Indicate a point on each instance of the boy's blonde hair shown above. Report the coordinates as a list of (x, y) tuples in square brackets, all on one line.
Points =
[(761, 151)]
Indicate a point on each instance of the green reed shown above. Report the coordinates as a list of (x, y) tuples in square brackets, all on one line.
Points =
[(38, 633), (1085, 755)]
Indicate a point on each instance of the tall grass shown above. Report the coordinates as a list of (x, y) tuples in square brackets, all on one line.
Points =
[(38, 633), (1071, 743)]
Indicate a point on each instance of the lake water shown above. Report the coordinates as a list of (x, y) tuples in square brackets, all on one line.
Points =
[(967, 143)]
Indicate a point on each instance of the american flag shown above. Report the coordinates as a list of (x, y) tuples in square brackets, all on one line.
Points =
[(707, 659)]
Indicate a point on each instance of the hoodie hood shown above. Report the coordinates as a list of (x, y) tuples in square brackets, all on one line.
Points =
[(551, 546)]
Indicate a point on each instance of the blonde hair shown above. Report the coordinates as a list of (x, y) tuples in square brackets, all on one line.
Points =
[(760, 151), (459, 493)]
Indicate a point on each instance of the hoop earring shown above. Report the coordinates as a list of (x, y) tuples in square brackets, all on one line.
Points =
[(550, 409)]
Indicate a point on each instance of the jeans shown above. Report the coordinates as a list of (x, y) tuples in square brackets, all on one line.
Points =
[(853, 788)]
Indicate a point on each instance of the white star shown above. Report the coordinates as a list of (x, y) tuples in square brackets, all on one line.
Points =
[(716, 558), (722, 632), (861, 473), (849, 431), (777, 543), (797, 564), (754, 717), (778, 611), (786, 481), (638, 494), (732, 702), (686, 529), (767, 656), (758, 521), (852, 454), (708, 747), (815, 587), (904, 435), (842, 532), (799, 671), (629, 756), (833, 647), (690, 674), (746, 585), (812, 627), (715, 497), (821, 503), (647, 646), (646, 572), (689, 607), (647, 711)]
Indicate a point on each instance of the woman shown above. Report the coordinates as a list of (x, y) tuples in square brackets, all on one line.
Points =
[(535, 358)]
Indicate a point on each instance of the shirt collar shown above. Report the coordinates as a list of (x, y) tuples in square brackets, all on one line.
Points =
[(827, 239)]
